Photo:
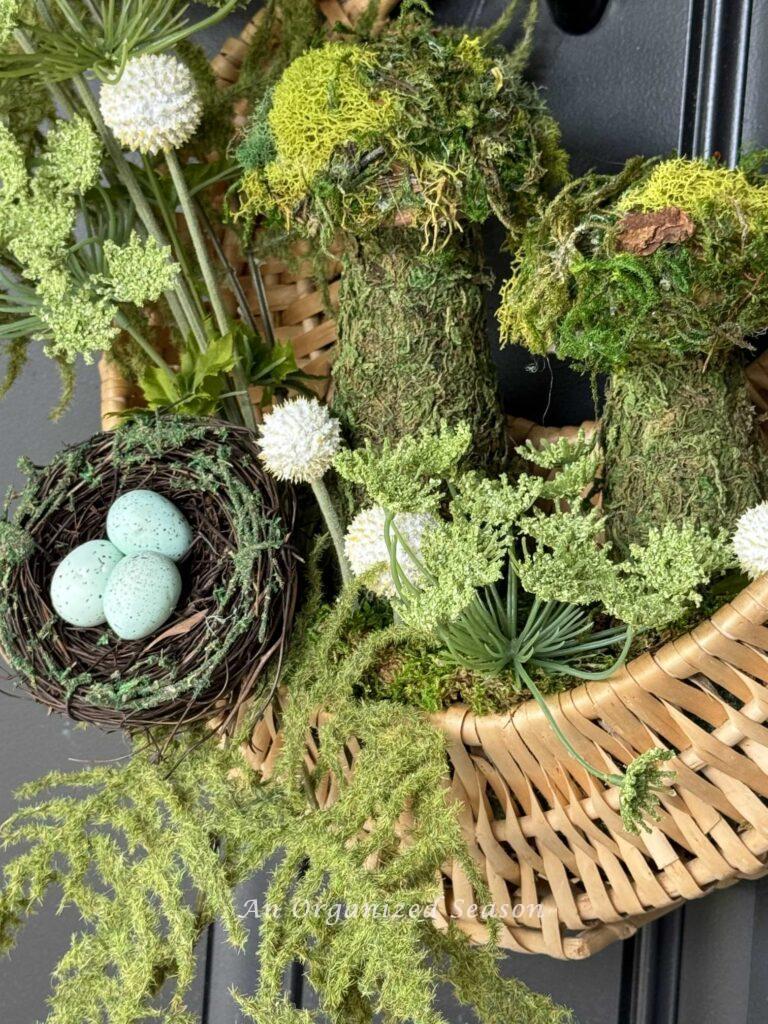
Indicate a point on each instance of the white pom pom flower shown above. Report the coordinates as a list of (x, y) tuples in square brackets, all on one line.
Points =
[(299, 440), (366, 547), (750, 541), (154, 106)]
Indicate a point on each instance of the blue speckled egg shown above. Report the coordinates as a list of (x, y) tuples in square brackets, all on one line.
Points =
[(79, 582), (141, 593), (146, 521)]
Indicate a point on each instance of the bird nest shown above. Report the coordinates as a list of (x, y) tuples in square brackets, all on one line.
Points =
[(239, 578)]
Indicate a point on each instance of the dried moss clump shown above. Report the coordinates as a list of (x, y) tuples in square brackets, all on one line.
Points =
[(395, 148), (657, 276)]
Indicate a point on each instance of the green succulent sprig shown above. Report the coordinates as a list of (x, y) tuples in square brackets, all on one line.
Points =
[(70, 38)]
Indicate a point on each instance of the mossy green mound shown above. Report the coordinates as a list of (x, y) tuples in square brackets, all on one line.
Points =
[(656, 276), (430, 121), (412, 348), (681, 445)]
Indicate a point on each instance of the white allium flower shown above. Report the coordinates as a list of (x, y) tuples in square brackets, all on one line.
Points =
[(750, 541), (299, 440), (366, 547), (154, 106)]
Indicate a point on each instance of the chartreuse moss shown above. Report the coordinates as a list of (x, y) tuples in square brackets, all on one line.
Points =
[(665, 320), (397, 148)]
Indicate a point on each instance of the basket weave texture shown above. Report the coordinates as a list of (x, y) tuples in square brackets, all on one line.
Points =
[(565, 877)]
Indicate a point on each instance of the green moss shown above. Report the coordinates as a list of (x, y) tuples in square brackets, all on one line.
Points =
[(665, 319), (681, 445), (412, 348), (429, 123), (575, 292)]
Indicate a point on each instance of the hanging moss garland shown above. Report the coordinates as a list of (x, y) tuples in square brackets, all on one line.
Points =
[(657, 276), (394, 148), (414, 350)]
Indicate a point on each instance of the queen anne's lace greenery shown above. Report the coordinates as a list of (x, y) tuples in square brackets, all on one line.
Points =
[(559, 556), (50, 290), (139, 271), (644, 780), (408, 476), (10, 17)]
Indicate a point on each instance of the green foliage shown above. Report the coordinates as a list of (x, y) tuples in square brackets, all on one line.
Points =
[(644, 780), (560, 556), (99, 36), (55, 287), (123, 845), (408, 476), (197, 387), (654, 585), (430, 121), (151, 851), (576, 291)]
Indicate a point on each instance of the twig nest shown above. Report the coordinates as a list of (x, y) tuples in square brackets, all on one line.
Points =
[(234, 590), (299, 439), (154, 106), (750, 541)]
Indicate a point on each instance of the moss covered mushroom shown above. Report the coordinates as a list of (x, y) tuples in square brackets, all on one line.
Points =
[(400, 148), (657, 276)]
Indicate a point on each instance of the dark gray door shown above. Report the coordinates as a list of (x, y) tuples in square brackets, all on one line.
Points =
[(650, 77)]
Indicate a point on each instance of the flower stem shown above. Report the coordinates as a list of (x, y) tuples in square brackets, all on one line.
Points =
[(167, 214), (178, 300), (209, 276), (334, 526), (606, 777), (124, 323)]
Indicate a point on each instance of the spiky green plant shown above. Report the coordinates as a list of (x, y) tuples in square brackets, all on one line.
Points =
[(70, 37)]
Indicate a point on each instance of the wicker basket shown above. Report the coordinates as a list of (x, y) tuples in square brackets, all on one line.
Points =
[(564, 875)]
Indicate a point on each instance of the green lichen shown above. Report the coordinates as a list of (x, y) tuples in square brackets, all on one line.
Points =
[(320, 103), (698, 187)]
